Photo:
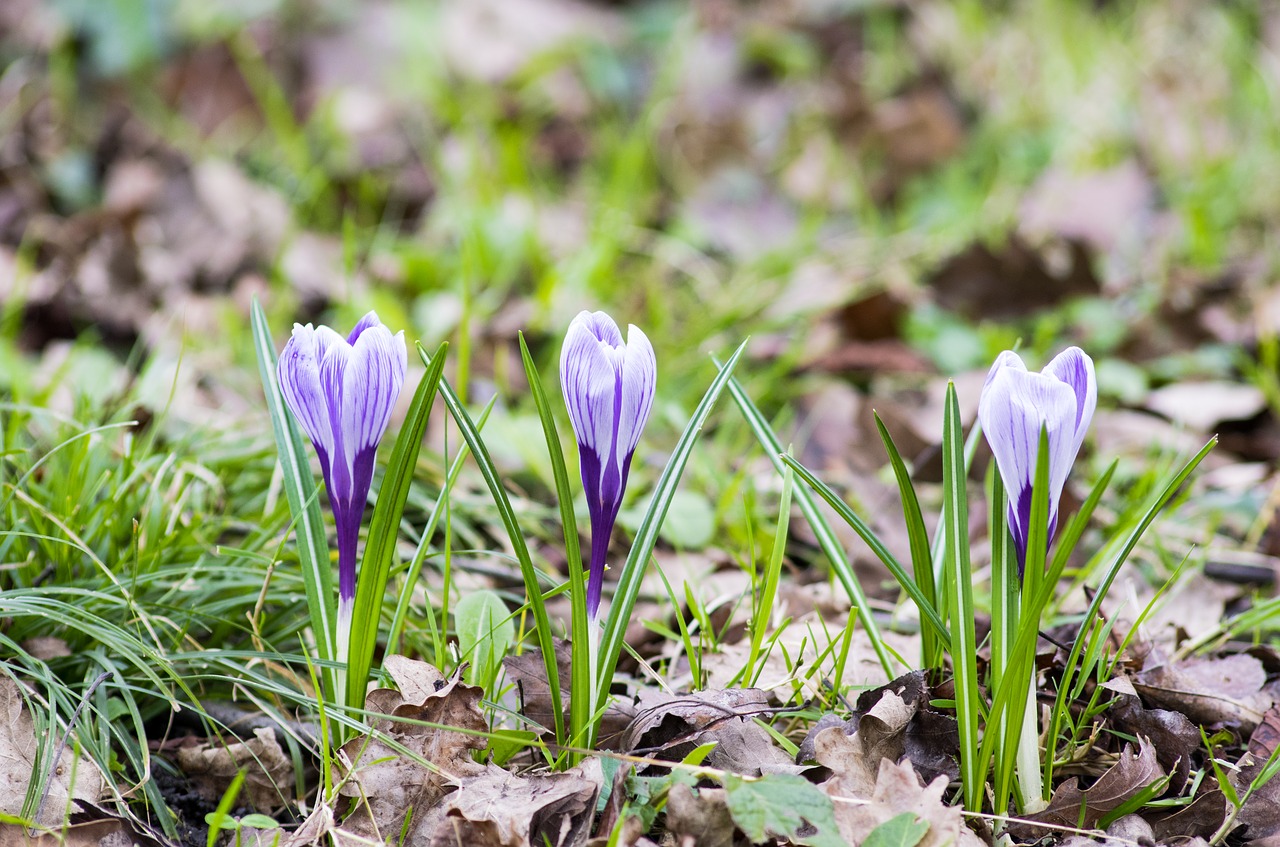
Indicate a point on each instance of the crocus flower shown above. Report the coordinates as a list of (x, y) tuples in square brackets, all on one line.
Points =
[(608, 386), (1015, 405), (342, 391)]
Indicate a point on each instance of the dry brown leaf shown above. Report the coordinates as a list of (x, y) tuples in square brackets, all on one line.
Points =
[(501, 809), (1073, 806), (1174, 737), (893, 721), (1105, 209), (74, 779), (490, 40), (1200, 819), (670, 727), (700, 817), (386, 784), (1225, 691), (268, 771), (529, 673), (862, 803)]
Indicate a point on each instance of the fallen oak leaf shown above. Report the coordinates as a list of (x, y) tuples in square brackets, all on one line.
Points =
[(502, 809), (1226, 691), (670, 727), (897, 789), (387, 784), (1072, 806), (211, 766), (74, 779)]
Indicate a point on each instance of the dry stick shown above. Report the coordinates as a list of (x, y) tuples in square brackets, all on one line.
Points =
[(62, 745)]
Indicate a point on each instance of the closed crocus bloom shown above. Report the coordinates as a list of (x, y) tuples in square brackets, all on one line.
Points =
[(1015, 405), (342, 391), (608, 386)]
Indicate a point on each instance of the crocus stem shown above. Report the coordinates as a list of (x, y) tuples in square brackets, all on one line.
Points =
[(346, 604), (1027, 761), (593, 653)]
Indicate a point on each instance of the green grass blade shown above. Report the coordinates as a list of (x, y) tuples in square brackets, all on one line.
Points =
[(420, 555), (304, 503), (1073, 659), (1004, 626), (580, 693), (822, 530), (769, 592), (1020, 670), (380, 545), (921, 555), (964, 647), (1026, 639), (542, 625), (928, 615), (628, 590)]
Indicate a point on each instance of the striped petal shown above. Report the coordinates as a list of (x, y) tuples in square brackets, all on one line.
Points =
[(1014, 406)]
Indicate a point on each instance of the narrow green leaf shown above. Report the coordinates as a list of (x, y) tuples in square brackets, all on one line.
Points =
[(304, 504), (773, 572), (380, 545), (492, 478), (1131, 541), (628, 590), (964, 647), (822, 530), (581, 706), (420, 554), (918, 535), (928, 614)]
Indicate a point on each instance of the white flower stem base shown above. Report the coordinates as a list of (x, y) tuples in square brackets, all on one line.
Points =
[(1027, 763), (345, 608)]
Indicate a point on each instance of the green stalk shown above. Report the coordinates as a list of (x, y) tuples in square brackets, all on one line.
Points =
[(964, 648), (628, 590), (769, 592), (584, 641), (1061, 703), (822, 530), (542, 624), (931, 646), (420, 554), (384, 531)]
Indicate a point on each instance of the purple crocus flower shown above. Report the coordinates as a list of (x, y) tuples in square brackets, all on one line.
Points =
[(608, 386), (342, 391), (1015, 405)]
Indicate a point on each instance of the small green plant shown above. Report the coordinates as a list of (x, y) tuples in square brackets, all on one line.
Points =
[(1035, 424)]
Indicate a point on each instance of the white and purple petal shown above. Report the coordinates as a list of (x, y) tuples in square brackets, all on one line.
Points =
[(1074, 367), (608, 386), (1015, 405), (342, 391)]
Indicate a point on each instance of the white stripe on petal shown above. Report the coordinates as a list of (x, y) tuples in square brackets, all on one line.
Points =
[(373, 382), (299, 374), (333, 381), (1014, 405), (1074, 367), (639, 381), (589, 382)]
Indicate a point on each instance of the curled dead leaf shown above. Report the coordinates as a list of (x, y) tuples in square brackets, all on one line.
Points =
[(386, 782), (1073, 806), (268, 771), (669, 727)]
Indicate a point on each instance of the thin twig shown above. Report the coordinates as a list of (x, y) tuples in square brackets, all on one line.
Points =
[(62, 745)]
